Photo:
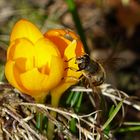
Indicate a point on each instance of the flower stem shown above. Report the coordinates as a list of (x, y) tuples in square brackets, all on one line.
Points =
[(39, 115), (41, 99), (51, 126)]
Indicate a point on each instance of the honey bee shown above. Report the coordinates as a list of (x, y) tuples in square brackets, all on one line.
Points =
[(92, 70), (93, 74)]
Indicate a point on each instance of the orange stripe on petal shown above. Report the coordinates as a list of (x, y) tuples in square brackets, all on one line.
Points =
[(57, 36), (59, 42), (79, 49)]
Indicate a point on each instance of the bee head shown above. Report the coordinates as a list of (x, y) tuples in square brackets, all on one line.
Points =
[(83, 61)]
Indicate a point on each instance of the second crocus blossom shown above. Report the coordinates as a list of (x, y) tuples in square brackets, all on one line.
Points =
[(70, 47), (34, 64)]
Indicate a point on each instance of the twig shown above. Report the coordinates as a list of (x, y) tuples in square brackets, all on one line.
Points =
[(108, 91), (22, 122)]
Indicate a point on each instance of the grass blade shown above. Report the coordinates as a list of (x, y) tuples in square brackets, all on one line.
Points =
[(113, 114)]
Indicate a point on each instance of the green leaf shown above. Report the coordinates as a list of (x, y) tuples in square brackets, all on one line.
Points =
[(75, 98), (107, 129), (132, 128), (39, 121), (69, 98), (73, 125), (45, 123), (111, 110), (78, 105), (112, 115)]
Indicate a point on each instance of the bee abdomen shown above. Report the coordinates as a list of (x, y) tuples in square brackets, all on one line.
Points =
[(97, 79)]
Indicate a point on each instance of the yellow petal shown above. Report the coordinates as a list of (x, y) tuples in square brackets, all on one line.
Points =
[(22, 50), (70, 54), (36, 82), (72, 75), (70, 50), (25, 29), (10, 74), (56, 72), (44, 51), (32, 80)]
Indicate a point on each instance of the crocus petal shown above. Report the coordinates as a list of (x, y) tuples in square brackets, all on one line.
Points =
[(32, 81), (70, 50), (10, 75), (44, 50), (58, 41), (25, 29), (79, 49), (72, 75), (64, 34), (56, 72), (22, 50), (70, 54), (35, 82)]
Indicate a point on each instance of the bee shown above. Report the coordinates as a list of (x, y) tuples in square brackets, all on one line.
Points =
[(93, 74), (92, 70)]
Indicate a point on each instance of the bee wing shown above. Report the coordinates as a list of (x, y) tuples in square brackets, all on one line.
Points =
[(111, 64)]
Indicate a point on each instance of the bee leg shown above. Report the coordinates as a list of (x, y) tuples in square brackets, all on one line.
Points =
[(71, 78), (71, 68), (69, 59)]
